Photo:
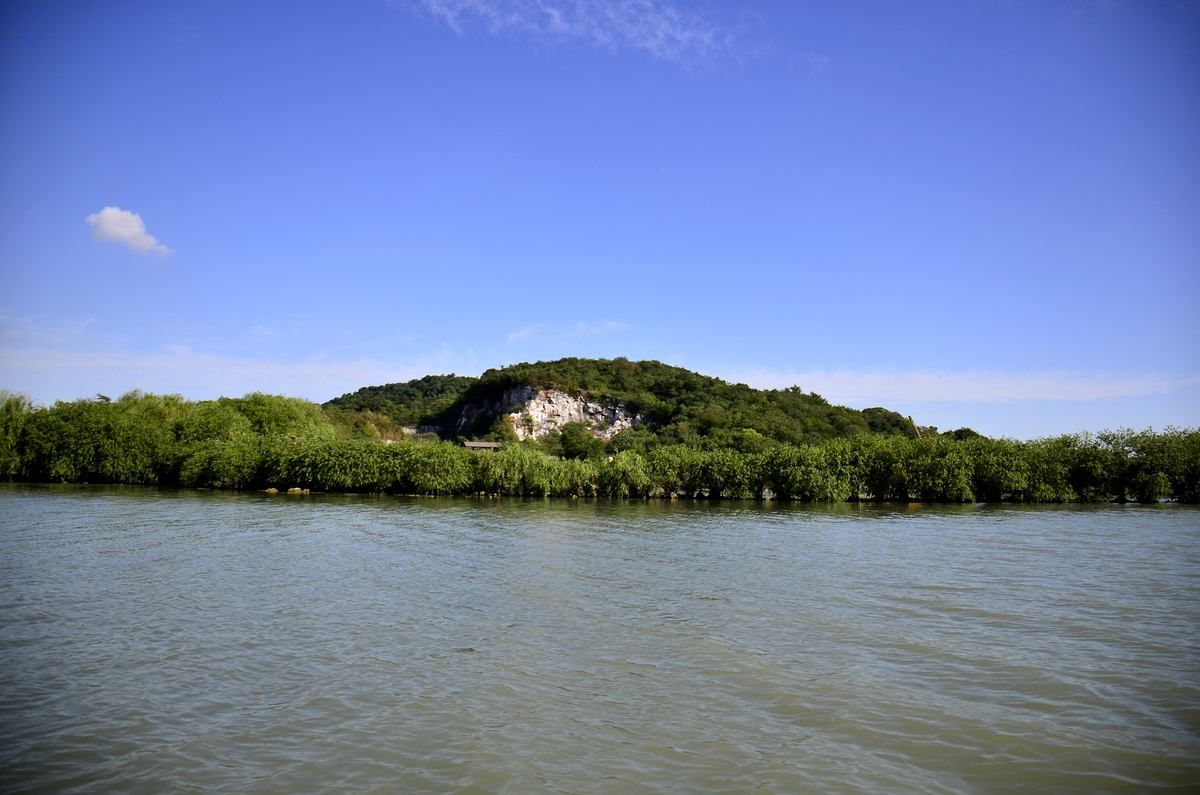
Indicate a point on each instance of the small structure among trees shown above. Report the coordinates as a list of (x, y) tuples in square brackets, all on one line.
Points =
[(482, 445)]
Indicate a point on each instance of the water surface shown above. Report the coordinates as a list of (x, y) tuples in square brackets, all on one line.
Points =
[(158, 641)]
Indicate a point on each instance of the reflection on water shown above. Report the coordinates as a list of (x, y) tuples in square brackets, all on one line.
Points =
[(249, 643)]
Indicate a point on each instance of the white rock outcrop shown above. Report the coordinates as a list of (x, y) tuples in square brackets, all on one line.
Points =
[(533, 413)]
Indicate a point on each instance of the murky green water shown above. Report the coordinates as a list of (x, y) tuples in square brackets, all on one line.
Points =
[(158, 641)]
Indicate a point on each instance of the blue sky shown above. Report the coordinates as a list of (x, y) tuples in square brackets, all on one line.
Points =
[(980, 213)]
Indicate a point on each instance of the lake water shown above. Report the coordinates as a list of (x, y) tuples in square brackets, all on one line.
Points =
[(156, 641)]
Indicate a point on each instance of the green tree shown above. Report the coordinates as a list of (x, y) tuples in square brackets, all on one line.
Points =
[(940, 470), (623, 475), (236, 463), (578, 441), (1049, 465), (516, 470), (275, 415), (802, 473), (1000, 469), (14, 410)]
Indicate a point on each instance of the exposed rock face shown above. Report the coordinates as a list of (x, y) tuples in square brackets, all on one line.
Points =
[(534, 413)]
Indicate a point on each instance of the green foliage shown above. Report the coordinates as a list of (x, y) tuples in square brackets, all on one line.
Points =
[(1049, 471), (940, 470), (576, 441), (262, 440), (101, 441), (367, 425), (1165, 465), (211, 420), (643, 440), (748, 440), (326, 464), (515, 470), (236, 463), (502, 431), (729, 474), (889, 423), (157, 439), (14, 411), (275, 415), (436, 468), (676, 469), (1093, 469), (803, 474), (881, 468), (573, 478), (677, 406), (1001, 469), (623, 475), (413, 403)]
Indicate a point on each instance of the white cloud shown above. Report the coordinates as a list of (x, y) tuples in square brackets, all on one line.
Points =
[(48, 374), (808, 64), (877, 387), (580, 329), (601, 327), (113, 223), (522, 334), (25, 330), (656, 27)]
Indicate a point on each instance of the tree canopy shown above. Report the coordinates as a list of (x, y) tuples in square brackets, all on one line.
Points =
[(678, 406), (413, 403), (267, 441)]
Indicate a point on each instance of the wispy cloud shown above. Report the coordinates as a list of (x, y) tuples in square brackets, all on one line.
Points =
[(597, 328), (601, 328), (657, 27), (26, 330), (123, 226), (807, 64), (48, 374), (878, 387), (522, 334)]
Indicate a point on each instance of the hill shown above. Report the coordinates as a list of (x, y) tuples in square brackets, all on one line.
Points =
[(413, 403), (635, 405)]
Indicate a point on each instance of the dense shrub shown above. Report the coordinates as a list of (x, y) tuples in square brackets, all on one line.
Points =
[(237, 463), (623, 475), (515, 470), (803, 474), (1000, 469), (261, 441), (940, 470)]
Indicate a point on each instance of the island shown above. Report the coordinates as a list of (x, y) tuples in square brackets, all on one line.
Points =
[(578, 428)]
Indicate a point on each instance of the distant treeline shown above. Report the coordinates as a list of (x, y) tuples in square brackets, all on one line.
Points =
[(263, 441)]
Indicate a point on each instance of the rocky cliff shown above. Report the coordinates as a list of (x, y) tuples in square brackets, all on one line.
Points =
[(534, 413)]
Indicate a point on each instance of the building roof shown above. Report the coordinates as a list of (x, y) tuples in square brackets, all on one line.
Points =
[(482, 445)]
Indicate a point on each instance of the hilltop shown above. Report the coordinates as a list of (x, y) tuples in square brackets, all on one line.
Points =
[(631, 404)]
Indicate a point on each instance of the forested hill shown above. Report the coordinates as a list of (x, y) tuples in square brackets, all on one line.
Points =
[(413, 403), (677, 405)]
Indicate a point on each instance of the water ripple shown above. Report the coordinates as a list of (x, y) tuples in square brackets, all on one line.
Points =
[(215, 642)]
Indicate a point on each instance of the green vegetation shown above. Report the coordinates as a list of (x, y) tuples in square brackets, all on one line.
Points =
[(381, 411), (677, 405), (263, 441)]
